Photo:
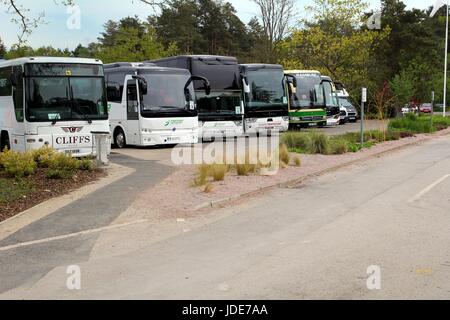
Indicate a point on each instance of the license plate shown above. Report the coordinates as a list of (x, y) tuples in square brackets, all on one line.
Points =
[(72, 151), (173, 139)]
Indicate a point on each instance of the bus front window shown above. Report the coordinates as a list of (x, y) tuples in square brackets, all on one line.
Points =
[(267, 89), (64, 92), (309, 92), (166, 93)]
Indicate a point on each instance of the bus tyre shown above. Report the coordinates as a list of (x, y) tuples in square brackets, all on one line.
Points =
[(119, 139), (5, 144)]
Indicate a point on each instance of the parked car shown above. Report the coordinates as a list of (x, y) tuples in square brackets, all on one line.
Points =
[(426, 108), (352, 113), (344, 115), (409, 109)]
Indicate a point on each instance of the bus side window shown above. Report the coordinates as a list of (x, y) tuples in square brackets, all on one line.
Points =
[(18, 94), (132, 101)]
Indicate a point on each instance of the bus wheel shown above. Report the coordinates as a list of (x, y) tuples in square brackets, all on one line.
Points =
[(5, 142), (119, 139)]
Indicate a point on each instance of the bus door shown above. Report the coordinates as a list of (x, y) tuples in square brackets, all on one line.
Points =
[(132, 123)]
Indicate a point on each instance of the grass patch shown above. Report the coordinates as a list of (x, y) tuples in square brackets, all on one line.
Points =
[(11, 190), (412, 124)]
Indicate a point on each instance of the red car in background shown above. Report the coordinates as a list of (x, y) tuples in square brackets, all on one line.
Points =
[(426, 108)]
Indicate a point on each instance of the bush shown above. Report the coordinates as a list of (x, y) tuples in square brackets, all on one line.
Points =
[(319, 143), (374, 135), (18, 164), (86, 165), (353, 147), (297, 161), (393, 135), (215, 171), (62, 166), (296, 140), (202, 175), (339, 146), (43, 156), (411, 124), (218, 171), (285, 157)]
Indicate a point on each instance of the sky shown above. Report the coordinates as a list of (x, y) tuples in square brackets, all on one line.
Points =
[(93, 14)]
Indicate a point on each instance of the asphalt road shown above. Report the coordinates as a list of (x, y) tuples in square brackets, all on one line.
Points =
[(316, 240), (354, 127)]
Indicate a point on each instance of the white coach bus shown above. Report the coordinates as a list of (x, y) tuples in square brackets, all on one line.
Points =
[(152, 105), (56, 102)]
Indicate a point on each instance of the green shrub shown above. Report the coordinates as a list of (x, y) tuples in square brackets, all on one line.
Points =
[(318, 143), (296, 140), (441, 123), (374, 135), (43, 156), (393, 135), (297, 161), (17, 164), (339, 146), (411, 124), (86, 165), (353, 147), (62, 166)]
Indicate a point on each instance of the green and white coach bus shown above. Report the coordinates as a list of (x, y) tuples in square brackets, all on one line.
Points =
[(306, 100)]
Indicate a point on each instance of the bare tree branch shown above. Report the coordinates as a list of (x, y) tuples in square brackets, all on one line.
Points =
[(276, 16), (20, 14)]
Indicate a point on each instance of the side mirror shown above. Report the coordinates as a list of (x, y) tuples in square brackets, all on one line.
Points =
[(245, 85), (206, 84), (143, 85)]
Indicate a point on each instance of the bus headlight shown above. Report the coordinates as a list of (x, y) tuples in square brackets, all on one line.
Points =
[(285, 118), (238, 123), (251, 120), (295, 119)]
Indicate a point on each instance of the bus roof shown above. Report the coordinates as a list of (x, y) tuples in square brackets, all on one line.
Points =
[(20, 61), (143, 67), (302, 71), (327, 78), (183, 60), (258, 66)]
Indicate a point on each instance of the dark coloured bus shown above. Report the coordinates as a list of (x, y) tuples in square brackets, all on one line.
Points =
[(220, 113)]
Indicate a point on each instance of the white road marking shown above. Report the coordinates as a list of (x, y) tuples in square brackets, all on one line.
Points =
[(428, 189), (71, 235)]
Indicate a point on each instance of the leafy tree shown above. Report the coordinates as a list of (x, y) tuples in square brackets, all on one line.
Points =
[(2, 48), (403, 88), (178, 23), (333, 43), (26, 51), (129, 40)]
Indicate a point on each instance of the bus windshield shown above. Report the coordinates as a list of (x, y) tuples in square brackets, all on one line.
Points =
[(220, 74), (267, 89), (65, 98), (222, 103), (165, 93), (309, 92), (330, 94)]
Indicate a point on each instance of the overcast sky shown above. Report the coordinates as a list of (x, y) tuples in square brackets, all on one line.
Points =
[(95, 13)]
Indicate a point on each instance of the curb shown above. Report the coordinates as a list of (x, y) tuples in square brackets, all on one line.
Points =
[(288, 184)]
